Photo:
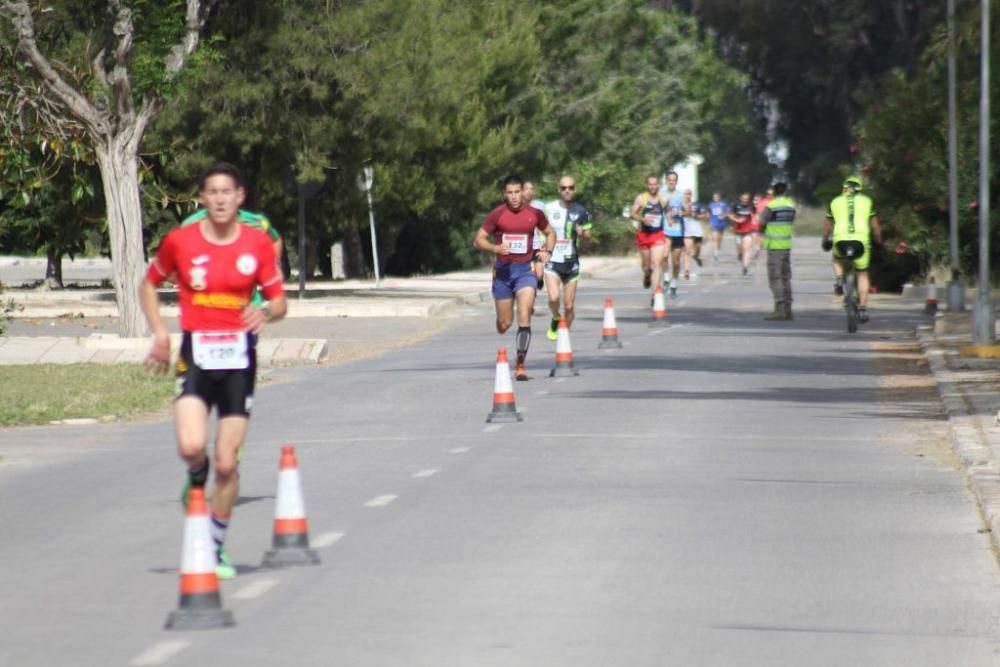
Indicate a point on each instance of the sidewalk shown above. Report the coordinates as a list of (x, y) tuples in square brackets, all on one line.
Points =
[(421, 297), (970, 391)]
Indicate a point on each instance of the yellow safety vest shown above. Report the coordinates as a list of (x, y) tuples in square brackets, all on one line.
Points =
[(780, 218)]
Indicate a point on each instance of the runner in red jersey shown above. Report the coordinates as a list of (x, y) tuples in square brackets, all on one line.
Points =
[(507, 233), (217, 264), (741, 215)]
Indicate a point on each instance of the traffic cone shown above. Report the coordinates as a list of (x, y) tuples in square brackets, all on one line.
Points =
[(659, 310), (504, 409), (931, 304), (200, 603), (291, 532), (609, 333), (564, 354)]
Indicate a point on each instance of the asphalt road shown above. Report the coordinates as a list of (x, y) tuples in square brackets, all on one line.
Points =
[(726, 491)]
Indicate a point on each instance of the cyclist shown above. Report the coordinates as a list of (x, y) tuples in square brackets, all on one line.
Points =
[(507, 233), (852, 217), (571, 222), (648, 211), (216, 263)]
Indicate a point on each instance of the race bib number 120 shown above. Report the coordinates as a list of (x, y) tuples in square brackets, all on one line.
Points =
[(220, 350)]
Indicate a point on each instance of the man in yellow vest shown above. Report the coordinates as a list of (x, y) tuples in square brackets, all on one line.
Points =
[(852, 217), (777, 219)]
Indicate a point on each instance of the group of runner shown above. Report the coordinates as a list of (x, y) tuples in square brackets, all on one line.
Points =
[(224, 262)]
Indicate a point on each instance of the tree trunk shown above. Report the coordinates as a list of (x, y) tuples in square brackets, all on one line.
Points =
[(119, 167), (53, 269)]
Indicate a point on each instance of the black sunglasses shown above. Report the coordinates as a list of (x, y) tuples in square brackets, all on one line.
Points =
[(567, 187)]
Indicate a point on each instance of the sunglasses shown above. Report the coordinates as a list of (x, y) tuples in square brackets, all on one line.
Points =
[(567, 187)]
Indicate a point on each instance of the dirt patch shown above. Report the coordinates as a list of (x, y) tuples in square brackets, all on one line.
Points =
[(906, 384)]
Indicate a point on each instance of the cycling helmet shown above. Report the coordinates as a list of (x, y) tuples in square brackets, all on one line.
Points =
[(854, 183)]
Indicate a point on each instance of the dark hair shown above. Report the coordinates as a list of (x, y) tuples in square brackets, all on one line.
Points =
[(512, 179), (674, 173), (780, 188), (223, 168)]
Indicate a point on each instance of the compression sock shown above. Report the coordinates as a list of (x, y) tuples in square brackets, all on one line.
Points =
[(198, 475), (217, 528), (523, 342)]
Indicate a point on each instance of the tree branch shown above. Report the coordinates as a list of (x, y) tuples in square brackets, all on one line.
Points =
[(76, 103), (197, 11), (121, 84)]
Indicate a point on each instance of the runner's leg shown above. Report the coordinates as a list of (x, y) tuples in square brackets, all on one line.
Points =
[(569, 297), (525, 305), (505, 314), (191, 429), (552, 282), (656, 261)]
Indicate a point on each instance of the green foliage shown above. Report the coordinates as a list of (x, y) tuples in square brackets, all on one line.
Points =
[(903, 147)]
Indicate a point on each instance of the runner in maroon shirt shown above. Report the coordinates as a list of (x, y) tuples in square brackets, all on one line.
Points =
[(218, 263), (507, 233)]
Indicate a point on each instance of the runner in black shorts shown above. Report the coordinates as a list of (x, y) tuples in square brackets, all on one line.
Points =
[(571, 222)]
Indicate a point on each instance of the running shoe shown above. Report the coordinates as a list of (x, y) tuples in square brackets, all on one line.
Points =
[(863, 315), (185, 494), (224, 568), (519, 373), (647, 279), (687, 275), (698, 261), (838, 288), (745, 270), (552, 332), (673, 291)]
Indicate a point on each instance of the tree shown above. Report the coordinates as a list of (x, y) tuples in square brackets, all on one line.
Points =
[(125, 68)]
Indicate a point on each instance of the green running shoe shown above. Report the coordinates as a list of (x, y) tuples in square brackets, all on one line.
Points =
[(185, 495), (224, 569), (552, 333)]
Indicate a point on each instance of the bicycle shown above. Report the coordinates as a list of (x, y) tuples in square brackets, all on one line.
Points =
[(848, 252)]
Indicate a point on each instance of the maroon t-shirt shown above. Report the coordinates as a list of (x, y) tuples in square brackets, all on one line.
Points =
[(518, 228)]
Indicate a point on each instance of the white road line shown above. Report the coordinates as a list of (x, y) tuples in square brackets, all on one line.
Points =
[(492, 428), (459, 450), (543, 392), (381, 501), (424, 474), (255, 589), (326, 540), (159, 653)]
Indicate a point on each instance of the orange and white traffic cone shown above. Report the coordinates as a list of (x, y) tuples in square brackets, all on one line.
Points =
[(659, 310), (564, 353), (200, 603), (290, 544), (609, 333), (504, 409)]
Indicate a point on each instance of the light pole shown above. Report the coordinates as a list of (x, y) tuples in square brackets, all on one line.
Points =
[(365, 180), (956, 294), (985, 317)]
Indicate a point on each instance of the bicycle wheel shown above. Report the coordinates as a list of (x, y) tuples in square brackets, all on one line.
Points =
[(851, 303)]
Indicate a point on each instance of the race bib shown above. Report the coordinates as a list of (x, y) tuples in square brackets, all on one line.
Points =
[(220, 350), (563, 250), (518, 243), (654, 221)]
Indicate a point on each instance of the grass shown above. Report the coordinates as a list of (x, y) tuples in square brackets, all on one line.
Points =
[(44, 393)]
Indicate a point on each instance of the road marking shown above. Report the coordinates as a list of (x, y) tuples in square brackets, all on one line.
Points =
[(381, 501), (424, 474), (159, 653), (459, 450), (543, 392), (560, 380), (326, 540), (492, 428), (255, 589)]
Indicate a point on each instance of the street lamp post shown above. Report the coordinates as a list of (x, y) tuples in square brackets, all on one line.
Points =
[(956, 293), (365, 180), (985, 317)]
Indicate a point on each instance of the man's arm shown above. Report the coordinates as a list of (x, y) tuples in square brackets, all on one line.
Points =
[(158, 358), (483, 242), (637, 207), (876, 230)]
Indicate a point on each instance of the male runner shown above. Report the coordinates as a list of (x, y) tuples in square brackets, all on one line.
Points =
[(506, 233), (852, 217), (718, 211), (693, 213), (741, 216), (674, 229), (528, 196), (217, 263), (648, 211), (570, 221)]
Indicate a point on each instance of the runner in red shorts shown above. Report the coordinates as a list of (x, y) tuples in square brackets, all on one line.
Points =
[(648, 210), (217, 263), (741, 215)]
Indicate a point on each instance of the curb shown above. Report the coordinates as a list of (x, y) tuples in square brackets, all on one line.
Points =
[(967, 439)]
